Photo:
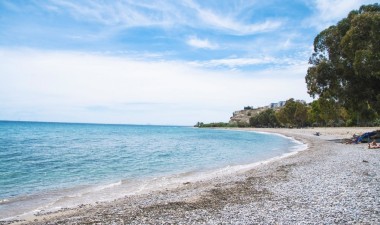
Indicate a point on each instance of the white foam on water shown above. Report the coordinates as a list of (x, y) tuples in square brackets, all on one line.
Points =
[(3, 201)]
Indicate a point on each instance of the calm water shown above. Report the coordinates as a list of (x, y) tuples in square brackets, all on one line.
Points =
[(45, 164)]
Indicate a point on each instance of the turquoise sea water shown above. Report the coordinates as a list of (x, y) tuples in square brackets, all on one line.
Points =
[(46, 165)]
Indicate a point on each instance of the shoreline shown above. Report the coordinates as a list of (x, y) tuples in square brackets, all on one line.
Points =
[(312, 186), (92, 194), (52, 201)]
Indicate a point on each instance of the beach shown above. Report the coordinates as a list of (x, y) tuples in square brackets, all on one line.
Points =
[(329, 182)]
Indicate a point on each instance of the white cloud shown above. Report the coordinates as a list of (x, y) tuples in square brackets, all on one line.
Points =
[(234, 62), (229, 23), (122, 13), (235, 27), (250, 61), (329, 12), (131, 13), (76, 87), (201, 43)]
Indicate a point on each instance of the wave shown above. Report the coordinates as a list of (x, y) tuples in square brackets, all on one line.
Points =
[(3, 201), (107, 186)]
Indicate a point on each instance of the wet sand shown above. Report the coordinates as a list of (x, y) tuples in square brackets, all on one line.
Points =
[(330, 182)]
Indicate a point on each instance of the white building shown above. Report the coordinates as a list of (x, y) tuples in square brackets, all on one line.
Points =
[(277, 105)]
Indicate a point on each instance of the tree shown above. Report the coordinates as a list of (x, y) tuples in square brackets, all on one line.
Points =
[(294, 113), (314, 113), (266, 118), (254, 121), (300, 115), (346, 63)]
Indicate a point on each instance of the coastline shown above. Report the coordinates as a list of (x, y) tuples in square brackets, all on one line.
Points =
[(330, 182)]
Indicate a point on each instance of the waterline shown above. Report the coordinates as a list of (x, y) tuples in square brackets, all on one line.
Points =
[(51, 166)]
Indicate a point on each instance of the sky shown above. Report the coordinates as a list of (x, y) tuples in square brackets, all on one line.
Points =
[(168, 62)]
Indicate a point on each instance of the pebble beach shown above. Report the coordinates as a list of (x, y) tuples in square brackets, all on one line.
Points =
[(328, 183)]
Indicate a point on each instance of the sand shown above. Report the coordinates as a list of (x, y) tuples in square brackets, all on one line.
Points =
[(327, 183)]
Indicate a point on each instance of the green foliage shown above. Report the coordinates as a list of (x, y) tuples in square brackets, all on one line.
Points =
[(345, 69), (254, 121), (294, 113), (300, 114), (199, 124), (325, 112), (350, 123), (242, 124), (314, 114), (265, 118), (329, 110), (376, 122)]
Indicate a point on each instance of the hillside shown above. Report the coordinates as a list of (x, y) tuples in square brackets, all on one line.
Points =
[(242, 116)]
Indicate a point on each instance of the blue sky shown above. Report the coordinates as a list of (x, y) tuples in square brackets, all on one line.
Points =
[(155, 62)]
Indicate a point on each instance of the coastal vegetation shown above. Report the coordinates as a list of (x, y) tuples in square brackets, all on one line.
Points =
[(296, 113), (344, 77), (345, 71), (218, 124)]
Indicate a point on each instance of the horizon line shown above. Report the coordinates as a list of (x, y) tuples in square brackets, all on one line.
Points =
[(93, 123)]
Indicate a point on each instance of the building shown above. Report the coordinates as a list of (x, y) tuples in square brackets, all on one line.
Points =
[(277, 105)]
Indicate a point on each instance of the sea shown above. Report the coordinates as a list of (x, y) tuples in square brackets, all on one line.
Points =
[(49, 166)]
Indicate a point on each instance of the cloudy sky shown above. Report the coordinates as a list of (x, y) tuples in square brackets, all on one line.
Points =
[(169, 62)]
